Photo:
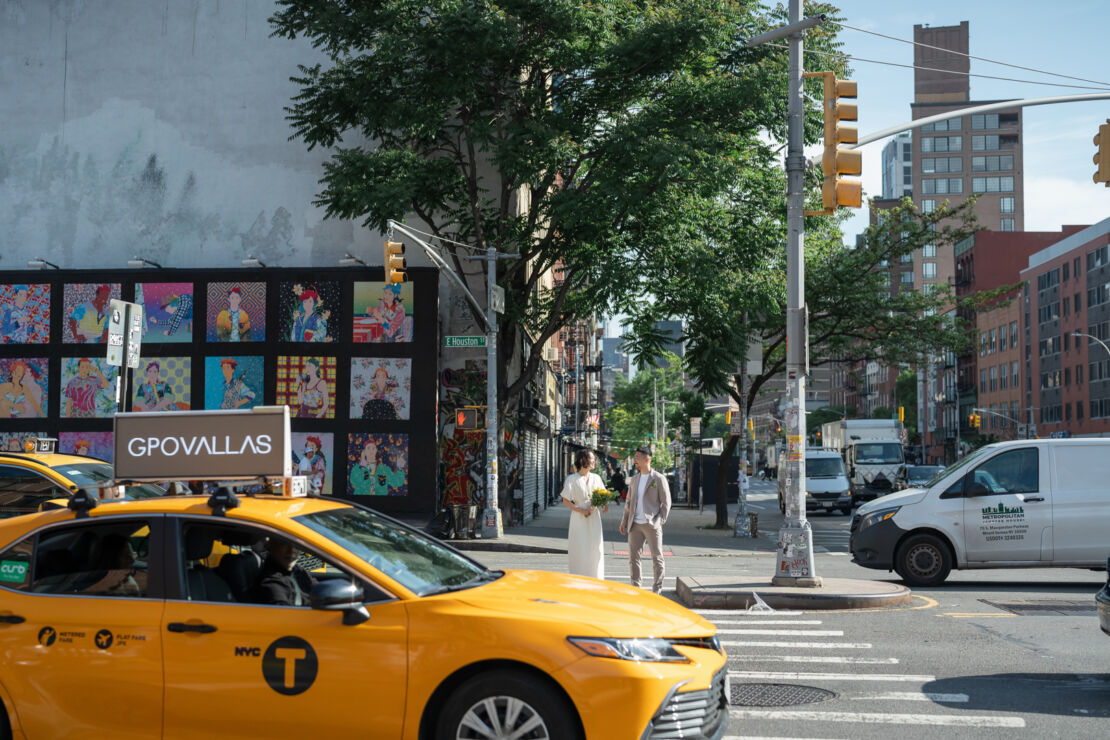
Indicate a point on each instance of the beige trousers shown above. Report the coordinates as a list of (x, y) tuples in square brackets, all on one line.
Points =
[(637, 535)]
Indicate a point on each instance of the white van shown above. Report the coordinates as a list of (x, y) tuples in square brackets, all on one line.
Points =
[(827, 487), (1023, 504)]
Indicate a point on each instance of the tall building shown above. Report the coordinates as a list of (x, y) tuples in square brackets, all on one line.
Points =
[(898, 167)]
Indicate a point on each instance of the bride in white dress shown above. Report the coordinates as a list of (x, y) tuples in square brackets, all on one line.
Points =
[(584, 541)]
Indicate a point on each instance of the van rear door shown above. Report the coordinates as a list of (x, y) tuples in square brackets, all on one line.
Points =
[(1081, 502), (1008, 508)]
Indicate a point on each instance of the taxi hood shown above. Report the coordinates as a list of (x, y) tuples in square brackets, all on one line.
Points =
[(611, 609)]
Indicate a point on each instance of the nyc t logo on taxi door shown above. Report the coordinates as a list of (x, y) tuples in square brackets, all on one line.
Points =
[(289, 665)]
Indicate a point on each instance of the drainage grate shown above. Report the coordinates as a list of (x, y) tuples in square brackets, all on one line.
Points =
[(1046, 607), (776, 695)]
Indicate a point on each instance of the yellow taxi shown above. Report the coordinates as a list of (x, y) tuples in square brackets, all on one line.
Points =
[(31, 478), (325, 619)]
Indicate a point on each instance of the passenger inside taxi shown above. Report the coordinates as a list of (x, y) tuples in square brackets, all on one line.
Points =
[(282, 580)]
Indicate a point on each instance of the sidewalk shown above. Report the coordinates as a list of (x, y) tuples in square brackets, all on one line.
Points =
[(689, 532)]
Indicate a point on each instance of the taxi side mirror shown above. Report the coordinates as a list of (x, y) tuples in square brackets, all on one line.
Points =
[(340, 595)]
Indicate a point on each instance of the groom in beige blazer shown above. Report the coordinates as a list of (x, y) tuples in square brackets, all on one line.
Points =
[(645, 513)]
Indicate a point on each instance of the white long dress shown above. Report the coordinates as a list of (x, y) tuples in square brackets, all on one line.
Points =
[(584, 540)]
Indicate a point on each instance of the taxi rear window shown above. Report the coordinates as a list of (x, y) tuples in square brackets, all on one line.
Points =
[(414, 560)]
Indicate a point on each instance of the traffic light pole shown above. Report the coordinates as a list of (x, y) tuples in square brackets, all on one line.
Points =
[(795, 563)]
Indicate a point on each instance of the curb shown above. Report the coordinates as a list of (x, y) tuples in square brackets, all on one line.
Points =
[(695, 596)]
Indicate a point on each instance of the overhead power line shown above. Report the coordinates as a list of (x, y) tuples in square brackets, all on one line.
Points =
[(970, 56), (945, 71)]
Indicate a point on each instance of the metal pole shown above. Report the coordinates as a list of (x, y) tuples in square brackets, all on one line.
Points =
[(795, 564), (740, 523), (492, 527)]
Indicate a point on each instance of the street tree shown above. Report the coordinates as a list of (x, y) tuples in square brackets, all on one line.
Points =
[(594, 141), (857, 309)]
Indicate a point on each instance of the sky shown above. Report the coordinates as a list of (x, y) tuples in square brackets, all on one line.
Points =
[(1063, 38)]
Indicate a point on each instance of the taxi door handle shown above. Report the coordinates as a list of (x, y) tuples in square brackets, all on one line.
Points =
[(12, 619), (204, 629), (1029, 499)]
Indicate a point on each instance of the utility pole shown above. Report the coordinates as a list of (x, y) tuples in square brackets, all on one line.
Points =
[(795, 562)]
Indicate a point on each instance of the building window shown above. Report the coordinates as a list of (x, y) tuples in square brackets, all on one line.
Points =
[(1014, 372), (1078, 303), (941, 165), (1079, 375), (992, 184), (1079, 411), (1002, 340), (984, 121), (929, 270), (941, 144), (982, 344), (1065, 272), (1013, 334), (983, 381), (1003, 376), (951, 124), (907, 258), (994, 378), (1006, 204), (1097, 258), (907, 278), (1006, 224), (928, 206), (929, 250), (987, 143), (1067, 376), (992, 346), (993, 163)]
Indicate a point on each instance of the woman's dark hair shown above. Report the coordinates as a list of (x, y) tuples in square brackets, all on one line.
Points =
[(581, 459)]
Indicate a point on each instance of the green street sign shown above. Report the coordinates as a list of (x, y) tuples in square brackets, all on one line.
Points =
[(464, 341)]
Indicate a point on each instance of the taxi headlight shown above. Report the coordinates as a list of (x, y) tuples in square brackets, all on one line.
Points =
[(648, 649), (878, 516)]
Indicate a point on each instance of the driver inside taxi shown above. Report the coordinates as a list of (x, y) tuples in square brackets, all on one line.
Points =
[(281, 581)]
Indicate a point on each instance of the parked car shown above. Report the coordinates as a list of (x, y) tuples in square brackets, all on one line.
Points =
[(917, 476), (1021, 504)]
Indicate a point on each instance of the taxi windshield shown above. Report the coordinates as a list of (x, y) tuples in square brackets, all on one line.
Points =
[(414, 560), (88, 473)]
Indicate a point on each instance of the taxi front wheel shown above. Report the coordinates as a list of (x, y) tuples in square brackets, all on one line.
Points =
[(502, 704)]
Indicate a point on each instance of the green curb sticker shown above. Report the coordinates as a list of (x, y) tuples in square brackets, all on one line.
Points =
[(13, 571)]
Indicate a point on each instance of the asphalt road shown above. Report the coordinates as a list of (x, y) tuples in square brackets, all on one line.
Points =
[(991, 653)]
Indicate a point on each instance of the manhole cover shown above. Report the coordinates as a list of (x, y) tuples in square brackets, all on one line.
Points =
[(1046, 607), (777, 695)]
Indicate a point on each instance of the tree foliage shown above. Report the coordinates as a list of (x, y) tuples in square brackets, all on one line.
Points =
[(606, 140)]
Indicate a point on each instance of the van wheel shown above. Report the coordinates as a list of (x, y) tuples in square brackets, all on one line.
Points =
[(506, 704), (923, 560)]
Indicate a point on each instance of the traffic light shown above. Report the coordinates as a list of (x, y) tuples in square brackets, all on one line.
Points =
[(971, 421), (836, 161), (974, 420), (728, 417), (469, 418), (1102, 157), (901, 414), (751, 425), (394, 262), (818, 435)]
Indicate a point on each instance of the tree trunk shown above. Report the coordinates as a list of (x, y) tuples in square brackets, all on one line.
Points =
[(722, 481)]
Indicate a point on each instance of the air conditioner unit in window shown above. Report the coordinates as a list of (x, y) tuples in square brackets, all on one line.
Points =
[(550, 354)]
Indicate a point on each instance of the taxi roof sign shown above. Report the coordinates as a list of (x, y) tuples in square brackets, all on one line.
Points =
[(203, 445), (42, 445)]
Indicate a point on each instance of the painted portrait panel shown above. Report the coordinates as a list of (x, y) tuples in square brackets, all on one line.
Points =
[(163, 384), (168, 308), (377, 464), (380, 388), (13, 441), (93, 444), (309, 311), (313, 456), (382, 312), (233, 382), (85, 312), (25, 313), (88, 388), (236, 312), (23, 387), (307, 385)]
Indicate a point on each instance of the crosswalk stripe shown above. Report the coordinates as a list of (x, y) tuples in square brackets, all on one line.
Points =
[(948, 720), (816, 659), (793, 676), (807, 645), (912, 696), (784, 633), (766, 621), (746, 613)]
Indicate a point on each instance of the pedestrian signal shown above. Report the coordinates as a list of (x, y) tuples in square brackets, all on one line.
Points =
[(470, 419)]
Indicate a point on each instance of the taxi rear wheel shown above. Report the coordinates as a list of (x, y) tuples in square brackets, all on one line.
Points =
[(505, 704)]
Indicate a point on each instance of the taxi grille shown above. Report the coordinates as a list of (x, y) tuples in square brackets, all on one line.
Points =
[(699, 714)]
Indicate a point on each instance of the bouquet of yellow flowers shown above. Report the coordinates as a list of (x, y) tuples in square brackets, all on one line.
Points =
[(601, 497)]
